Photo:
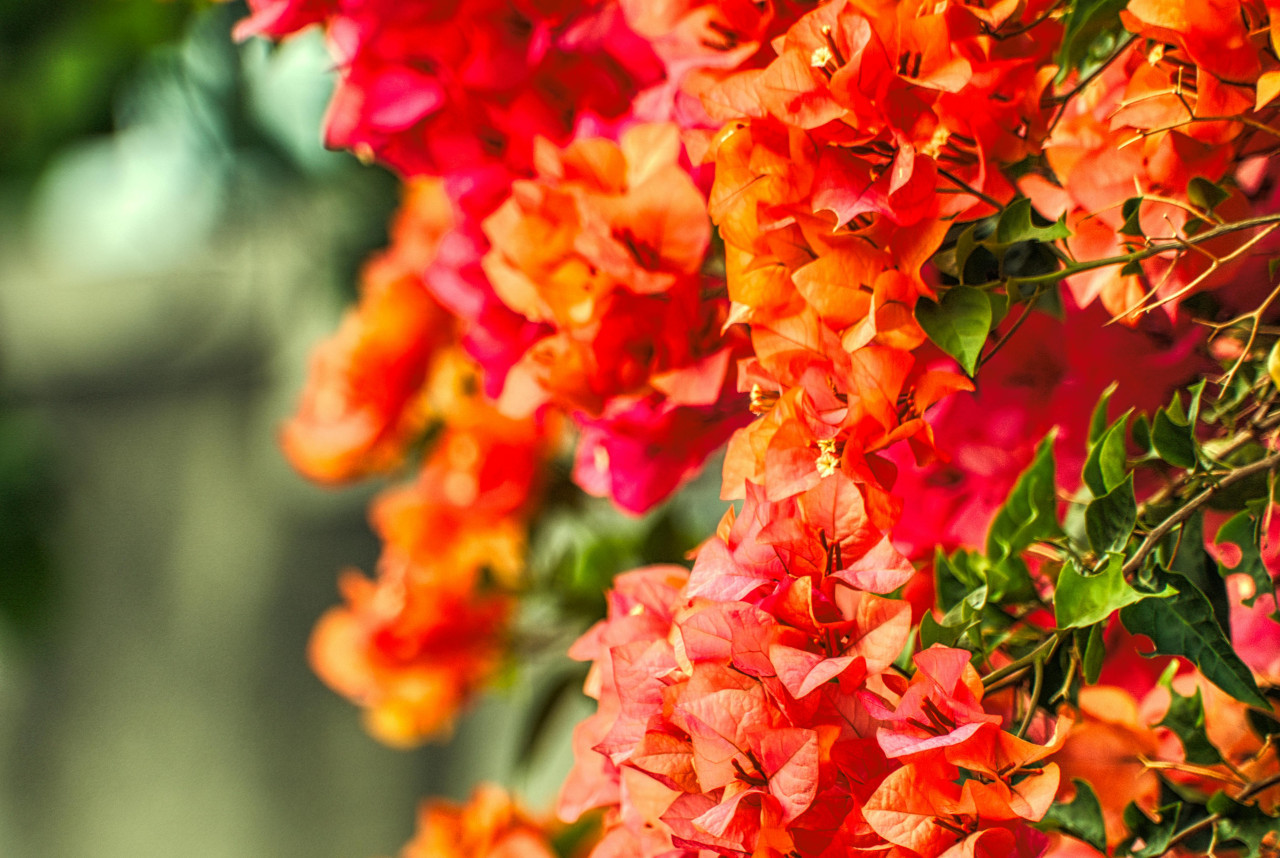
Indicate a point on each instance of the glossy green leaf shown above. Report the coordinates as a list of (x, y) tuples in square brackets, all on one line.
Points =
[(1104, 469), (1018, 222), (1030, 513), (1184, 624), (1082, 600), (1098, 420), (1110, 519), (959, 324), (1240, 823), (1173, 430)]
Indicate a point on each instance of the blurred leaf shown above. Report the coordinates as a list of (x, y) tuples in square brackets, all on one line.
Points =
[(1095, 651), (1154, 834), (1081, 817), (1091, 31), (1205, 194)]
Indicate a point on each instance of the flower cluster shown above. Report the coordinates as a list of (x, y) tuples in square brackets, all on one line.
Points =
[(753, 706), (489, 825), (413, 645), (878, 246)]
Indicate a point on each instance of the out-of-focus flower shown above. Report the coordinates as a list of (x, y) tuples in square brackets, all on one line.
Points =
[(489, 825)]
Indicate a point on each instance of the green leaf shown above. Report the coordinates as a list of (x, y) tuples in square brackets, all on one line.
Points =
[(576, 837), (1131, 211), (1104, 469), (1095, 651), (1244, 530), (1173, 440), (965, 245), (1000, 304), (1155, 834), (551, 698), (1030, 513), (1242, 823), (1018, 223), (1082, 600), (958, 325), (952, 579), (1183, 552), (1185, 717), (1091, 30), (1098, 421), (1081, 817), (1205, 194), (933, 632), (967, 610), (1142, 433), (1109, 520), (1184, 624)]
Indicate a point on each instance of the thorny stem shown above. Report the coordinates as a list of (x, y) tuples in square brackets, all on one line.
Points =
[(1030, 25), (1004, 338), (1213, 819), (1261, 422), (1256, 315), (1134, 563), (1217, 263), (1137, 255), (1014, 669), (970, 189), (1036, 685)]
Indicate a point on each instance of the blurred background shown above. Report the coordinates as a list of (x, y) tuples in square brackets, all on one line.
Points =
[(173, 242)]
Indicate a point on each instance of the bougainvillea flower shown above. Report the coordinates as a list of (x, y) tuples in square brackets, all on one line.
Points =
[(410, 650), (362, 405), (489, 825)]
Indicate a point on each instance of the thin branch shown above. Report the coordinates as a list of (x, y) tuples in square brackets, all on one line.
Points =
[(997, 678), (1004, 338), (1213, 819), (1269, 220), (969, 189), (1134, 563), (1036, 685)]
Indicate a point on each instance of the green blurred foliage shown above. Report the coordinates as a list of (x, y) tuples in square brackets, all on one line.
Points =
[(61, 61), (28, 501)]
